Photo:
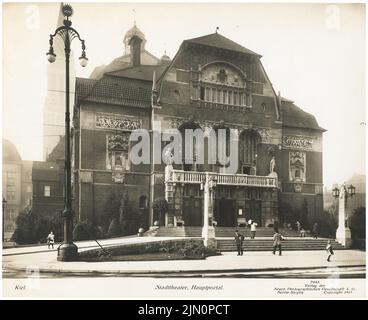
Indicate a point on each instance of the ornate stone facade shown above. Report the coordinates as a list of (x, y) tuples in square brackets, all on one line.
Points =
[(117, 122)]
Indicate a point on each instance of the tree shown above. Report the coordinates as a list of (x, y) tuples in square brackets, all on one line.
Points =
[(111, 211), (33, 227), (86, 230), (161, 206), (357, 223), (114, 228), (327, 223)]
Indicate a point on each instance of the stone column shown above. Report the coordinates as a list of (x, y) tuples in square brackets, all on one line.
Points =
[(169, 196), (208, 231), (343, 233)]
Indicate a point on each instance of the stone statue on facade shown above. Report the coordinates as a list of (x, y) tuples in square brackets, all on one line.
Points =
[(169, 157)]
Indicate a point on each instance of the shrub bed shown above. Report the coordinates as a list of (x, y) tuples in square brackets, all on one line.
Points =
[(184, 249)]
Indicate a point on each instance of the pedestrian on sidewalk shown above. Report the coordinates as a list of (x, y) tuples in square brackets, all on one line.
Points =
[(239, 238), (253, 229), (50, 240), (298, 225), (329, 250), (277, 238), (315, 230), (302, 233)]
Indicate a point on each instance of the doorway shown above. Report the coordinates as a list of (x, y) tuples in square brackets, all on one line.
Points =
[(226, 213), (253, 211), (192, 211)]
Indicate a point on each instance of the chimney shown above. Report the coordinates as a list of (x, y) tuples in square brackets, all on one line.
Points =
[(135, 51), (279, 98)]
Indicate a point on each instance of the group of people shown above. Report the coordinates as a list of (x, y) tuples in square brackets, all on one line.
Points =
[(277, 238), (277, 244), (302, 231)]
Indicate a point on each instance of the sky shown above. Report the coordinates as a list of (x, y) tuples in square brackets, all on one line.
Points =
[(313, 53)]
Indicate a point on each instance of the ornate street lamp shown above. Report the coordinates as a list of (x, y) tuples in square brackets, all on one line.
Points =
[(351, 190), (343, 233), (335, 192), (68, 251)]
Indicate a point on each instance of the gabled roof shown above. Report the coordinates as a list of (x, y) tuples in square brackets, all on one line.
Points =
[(45, 171), (218, 41), (144, 72), (115, 90), (293, 116)]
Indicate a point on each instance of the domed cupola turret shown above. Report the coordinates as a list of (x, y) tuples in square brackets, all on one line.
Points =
[(134, 32), (165, 59)]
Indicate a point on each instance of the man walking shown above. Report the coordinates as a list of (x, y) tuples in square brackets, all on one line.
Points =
[(277, 238), (50, 240), (253, 229), (239, 238), (315, 230)]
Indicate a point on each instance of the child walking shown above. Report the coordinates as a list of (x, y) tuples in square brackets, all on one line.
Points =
[(329, 250)]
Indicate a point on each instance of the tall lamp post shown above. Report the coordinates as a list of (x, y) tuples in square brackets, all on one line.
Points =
[(68, 251), (4, 204), (343, 233)]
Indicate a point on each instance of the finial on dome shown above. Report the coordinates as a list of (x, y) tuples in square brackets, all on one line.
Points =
[(134, 18)]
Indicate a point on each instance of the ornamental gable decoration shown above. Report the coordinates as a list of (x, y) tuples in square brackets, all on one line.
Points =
[(116, 122), (118, 142), (297, 142)]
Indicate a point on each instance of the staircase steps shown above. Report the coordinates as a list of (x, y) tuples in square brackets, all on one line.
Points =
[(179, 232), (261, 232), (287, 244)]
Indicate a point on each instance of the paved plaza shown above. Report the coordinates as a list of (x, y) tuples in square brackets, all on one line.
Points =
[(41, 257)]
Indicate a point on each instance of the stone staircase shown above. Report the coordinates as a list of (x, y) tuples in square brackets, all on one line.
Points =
[(262, 242), (179, 232), (265, 244), (221, 232)]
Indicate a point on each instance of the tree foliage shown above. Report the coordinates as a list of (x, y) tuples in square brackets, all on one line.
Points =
[(160, 206), (357, 223), (33, 227)]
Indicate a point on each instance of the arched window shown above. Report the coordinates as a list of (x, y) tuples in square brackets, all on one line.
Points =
[(143, 203), (249, 140), (223, 83), (189, 164)]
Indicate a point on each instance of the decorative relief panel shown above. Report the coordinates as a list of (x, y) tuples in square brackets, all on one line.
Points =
[(118, 177), (265, 134), (118, 142), (117, 123), (117, 152), (222, 73), (297, 166), (297, 142)]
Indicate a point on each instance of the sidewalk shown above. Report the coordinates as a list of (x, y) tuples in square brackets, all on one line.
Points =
[(83, 245), (228, 261)]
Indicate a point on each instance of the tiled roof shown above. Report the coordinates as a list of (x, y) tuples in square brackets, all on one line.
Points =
[(43, 170), (141, 72), (293, 116), (218, 41), (115, 90)]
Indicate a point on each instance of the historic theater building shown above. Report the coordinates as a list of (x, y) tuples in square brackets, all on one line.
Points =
[(211, 83)]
